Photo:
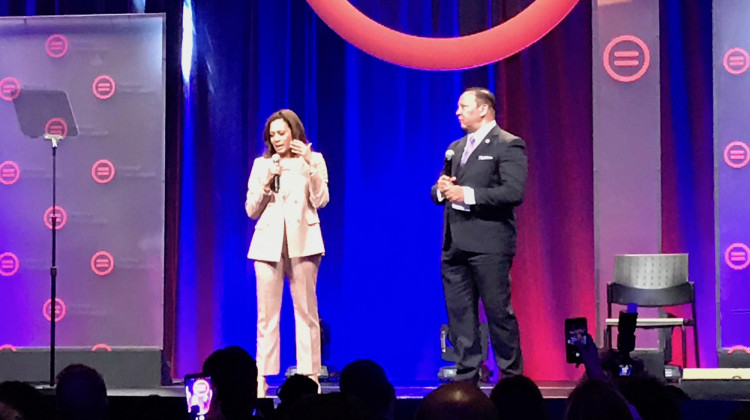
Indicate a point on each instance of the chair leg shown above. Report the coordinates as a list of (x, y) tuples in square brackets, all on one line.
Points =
[(608, 337), (684, 348), (697, 347), (695, 332)]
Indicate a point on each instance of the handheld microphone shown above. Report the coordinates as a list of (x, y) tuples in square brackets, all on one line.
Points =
[(448, 166), (275, 159)]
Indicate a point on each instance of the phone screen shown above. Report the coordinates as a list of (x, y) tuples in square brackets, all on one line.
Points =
[(198, 394), (626, 369), (576, 330)]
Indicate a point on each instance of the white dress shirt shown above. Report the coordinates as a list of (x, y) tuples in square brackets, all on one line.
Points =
[(478, 136)]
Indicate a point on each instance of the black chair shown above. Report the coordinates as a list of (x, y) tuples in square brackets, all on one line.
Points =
[(654, 281)]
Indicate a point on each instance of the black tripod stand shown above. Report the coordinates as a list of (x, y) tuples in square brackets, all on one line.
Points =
[(53, 267), (47, 114)]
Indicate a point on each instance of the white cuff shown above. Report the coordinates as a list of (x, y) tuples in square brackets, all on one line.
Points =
[(469, 198)]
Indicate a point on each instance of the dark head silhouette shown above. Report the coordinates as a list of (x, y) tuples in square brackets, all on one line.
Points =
[(81, 394), (651, 397), (20, 400), (518, 398), (292, 391), (234, 379), (458, 400), (333, 406), (366, 380), (596, 400)]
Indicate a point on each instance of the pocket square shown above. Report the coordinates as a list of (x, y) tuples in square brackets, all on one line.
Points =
[(484, 157)]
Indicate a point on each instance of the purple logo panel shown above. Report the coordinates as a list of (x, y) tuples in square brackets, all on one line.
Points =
[(732, 171), (97, 82)]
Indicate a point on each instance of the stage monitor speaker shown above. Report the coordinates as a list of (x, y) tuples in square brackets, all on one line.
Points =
[(121, 367), (653, 361), (721, 383), (735, 357), (324, 374)]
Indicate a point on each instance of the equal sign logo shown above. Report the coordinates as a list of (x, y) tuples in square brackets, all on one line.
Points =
[(10, 88), (737, 154), (739, 348), (56, 127), (626, 58), (60, 310), (59, 213), (9, 172), (629, 58), (101, 346), (104, 87), (56, 46), (737, 256), (103, 171), (102, 263), (201, 387), (736, 61), (9, 264)]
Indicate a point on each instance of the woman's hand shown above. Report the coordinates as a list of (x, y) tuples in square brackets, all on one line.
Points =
[(302, 150)]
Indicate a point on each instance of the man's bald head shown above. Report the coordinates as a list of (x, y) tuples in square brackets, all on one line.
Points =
[(456, 400)]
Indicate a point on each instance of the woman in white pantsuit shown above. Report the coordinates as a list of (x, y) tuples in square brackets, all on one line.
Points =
[(287, 240)]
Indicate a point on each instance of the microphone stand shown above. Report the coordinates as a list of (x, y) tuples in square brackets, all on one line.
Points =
[(53, 268)]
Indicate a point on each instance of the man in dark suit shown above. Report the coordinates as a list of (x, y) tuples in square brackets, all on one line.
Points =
[(485, 184)]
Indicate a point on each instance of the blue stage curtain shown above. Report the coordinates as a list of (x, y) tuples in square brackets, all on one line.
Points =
[(687, 157), (383, 130)]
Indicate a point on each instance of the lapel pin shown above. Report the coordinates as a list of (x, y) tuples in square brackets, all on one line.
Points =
[(487, 141)]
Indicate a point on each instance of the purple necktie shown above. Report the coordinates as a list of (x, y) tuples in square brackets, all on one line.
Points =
[(468, 149)]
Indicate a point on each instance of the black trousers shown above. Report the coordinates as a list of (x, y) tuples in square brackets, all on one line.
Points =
[(467, 277)]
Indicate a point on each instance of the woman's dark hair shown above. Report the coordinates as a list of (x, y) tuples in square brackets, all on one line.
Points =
[(292, 120)]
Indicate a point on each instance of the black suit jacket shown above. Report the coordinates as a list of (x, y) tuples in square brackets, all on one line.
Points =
[(497, 171)]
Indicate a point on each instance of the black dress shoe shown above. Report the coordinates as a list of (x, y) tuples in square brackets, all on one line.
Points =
[(468, 375)]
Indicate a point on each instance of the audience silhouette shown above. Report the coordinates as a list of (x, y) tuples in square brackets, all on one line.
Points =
[(81, 394), (366, 380), (333, 406), (292, 391), (519, 398), (22, 401), (456, 401), (234, 377), (593, 399)]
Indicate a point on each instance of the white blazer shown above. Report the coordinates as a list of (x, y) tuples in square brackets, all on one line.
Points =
[(303, 189)]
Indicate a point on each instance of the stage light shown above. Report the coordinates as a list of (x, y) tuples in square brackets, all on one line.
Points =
[(139, 6), (188, 34)]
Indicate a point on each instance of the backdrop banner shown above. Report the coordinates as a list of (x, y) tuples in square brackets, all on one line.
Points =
[(627, 150), (99, 82)]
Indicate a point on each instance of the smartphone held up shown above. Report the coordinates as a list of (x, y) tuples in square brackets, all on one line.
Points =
[(198, 394), (576, 331)]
